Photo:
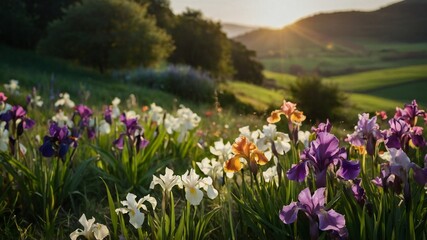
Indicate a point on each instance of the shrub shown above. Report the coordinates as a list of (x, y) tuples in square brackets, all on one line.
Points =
[(318, 100), (107, 34), (183, 81)]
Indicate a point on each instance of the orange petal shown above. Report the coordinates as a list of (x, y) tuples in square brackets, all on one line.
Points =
[(259, 157), (233, 164), (243, 147), (288, 108), (297, 116), (275, 116)]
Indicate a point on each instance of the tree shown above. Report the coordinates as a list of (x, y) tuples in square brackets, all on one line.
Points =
[(318, 100), (107, 34), (246, 67), (161, 10), (201, 43)]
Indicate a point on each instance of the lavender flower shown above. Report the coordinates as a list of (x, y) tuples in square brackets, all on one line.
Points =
[(134, 132), (409, 113), (323, 152), (314, 208), (366, 133)]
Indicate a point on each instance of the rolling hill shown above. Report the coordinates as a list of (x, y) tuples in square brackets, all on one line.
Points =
[(343, 32)]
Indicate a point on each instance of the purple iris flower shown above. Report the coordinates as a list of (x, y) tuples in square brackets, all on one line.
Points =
[(314, 209), (366, 133), (358, 191), (400, 134), (107, 115), (322, 127), (409, 113), (134, 132), (57, 142), (18, 115), (85, 113), (395, 173), (323, 152)]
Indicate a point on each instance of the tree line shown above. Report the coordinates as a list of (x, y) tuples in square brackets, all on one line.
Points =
[(122, 34)]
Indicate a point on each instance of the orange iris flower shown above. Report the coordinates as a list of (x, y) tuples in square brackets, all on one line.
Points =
[(243, 148)]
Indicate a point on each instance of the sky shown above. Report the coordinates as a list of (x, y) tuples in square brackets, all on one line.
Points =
[(271, 13)]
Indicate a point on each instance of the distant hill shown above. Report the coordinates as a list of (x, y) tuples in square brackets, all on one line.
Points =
[(345, 31), (233, 30)]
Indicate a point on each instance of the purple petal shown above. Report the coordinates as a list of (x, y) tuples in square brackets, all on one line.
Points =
[(348, 169), (18, 111), (304, 197), (377, 181), (321, 178), (289, 213), (298, 172), (120, 141), (331, 220), (318, 198), (420, 175), (47, 148), (29, 123)]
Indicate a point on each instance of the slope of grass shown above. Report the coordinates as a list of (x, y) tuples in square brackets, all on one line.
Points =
[(258, 97), (404, 92), (371, 80), (280, 79), (369, 103), (32, 70)]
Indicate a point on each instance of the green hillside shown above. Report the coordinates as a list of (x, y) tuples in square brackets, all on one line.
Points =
[(33, 70)]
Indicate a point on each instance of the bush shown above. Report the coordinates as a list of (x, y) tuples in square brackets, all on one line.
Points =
[(183, 81), (107, 34), (318, 100)]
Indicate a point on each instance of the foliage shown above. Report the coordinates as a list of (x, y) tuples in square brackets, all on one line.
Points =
[(246, 67), (183, 81), (200, 43), (319, 100), (116, 34)]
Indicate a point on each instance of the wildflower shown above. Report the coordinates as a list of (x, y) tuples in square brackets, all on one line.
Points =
[(289, 110), (396, 170), (34, 100), (134, 132), (115, 111), (223, 151), (381, 114), (91, 230), (247, 150), (211, 167), (253, 136), (358, 191), (104, 127), (167, 181), (314, 208), (136, 217), (409, 113), (273, 139), (57, 142), (4, 137), (12, 87), (62, 120), (192, 183), (402, 135), (64, 101), (304, 138), (270, 174), (323, 127), (366, 133), (323, 152), (156, 113), (85, 122), (20, 121)]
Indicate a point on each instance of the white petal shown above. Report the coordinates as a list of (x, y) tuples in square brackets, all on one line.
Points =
[(100, 231), (74, 235), (122, 210), (194, 196), (137, 219), (212, 192)]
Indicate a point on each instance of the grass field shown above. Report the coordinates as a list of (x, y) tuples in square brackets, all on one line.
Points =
[(280, 79), (259, 98), (34, 70), (371, 80)]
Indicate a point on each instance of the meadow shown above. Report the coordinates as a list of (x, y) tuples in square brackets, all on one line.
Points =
[(98, 163)]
